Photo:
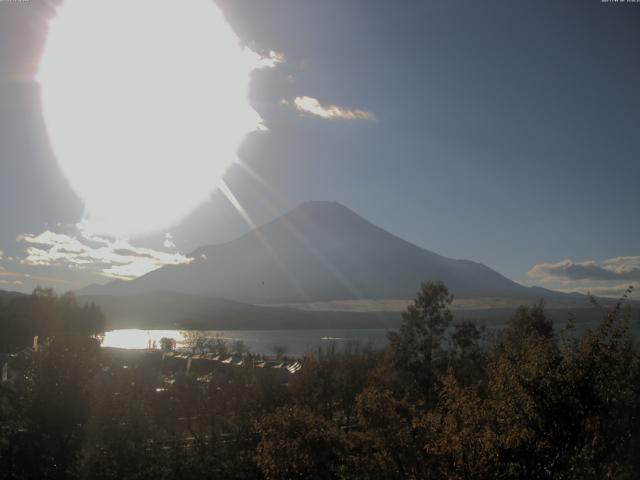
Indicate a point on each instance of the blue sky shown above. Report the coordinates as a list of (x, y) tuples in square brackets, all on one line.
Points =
[(502, 132)]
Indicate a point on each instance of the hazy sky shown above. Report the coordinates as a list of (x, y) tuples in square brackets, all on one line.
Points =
[(499, 131)]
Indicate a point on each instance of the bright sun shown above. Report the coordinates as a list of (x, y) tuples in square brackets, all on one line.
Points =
[(146, 103)]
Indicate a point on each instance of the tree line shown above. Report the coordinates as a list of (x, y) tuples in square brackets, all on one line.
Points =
[(46, 314), (444, 400)]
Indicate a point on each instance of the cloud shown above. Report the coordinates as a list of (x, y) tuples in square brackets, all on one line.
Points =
[(605, 278), (114, 258), (272, 59), (623, 264), (613, 269), (168, 241), (614, 291), (328, 111), (126, 252)]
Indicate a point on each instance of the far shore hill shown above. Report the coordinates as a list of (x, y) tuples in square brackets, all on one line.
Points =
[(166, 310)]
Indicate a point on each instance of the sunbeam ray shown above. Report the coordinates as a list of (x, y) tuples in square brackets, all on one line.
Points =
[(224, 188)]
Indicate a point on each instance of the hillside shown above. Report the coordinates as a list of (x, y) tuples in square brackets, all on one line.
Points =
[(7, 296)]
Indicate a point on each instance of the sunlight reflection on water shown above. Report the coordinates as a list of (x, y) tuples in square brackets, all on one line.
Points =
[(132, 338), (296, 342)]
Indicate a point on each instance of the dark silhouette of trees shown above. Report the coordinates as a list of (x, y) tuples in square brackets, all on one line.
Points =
[(444, 400), (298, 443), (167, 344), (45, 314), (413, 350), (53, 409)]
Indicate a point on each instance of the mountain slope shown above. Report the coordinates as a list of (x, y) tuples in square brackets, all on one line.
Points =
[(319, 251)]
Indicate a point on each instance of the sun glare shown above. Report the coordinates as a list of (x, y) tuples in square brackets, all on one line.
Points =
[(146, 103)]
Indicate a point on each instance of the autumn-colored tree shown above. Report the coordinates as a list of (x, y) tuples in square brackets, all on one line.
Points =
[(386, 442), (549, 410), (460, 434), (297, 443), (441, 402)]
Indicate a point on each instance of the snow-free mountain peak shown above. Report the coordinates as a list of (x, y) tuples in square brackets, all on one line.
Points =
[(319, 251)]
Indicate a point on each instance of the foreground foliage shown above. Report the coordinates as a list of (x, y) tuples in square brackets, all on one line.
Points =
[(443, 401)]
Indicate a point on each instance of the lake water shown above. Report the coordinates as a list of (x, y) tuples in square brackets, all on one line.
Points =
[(296, 342)]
